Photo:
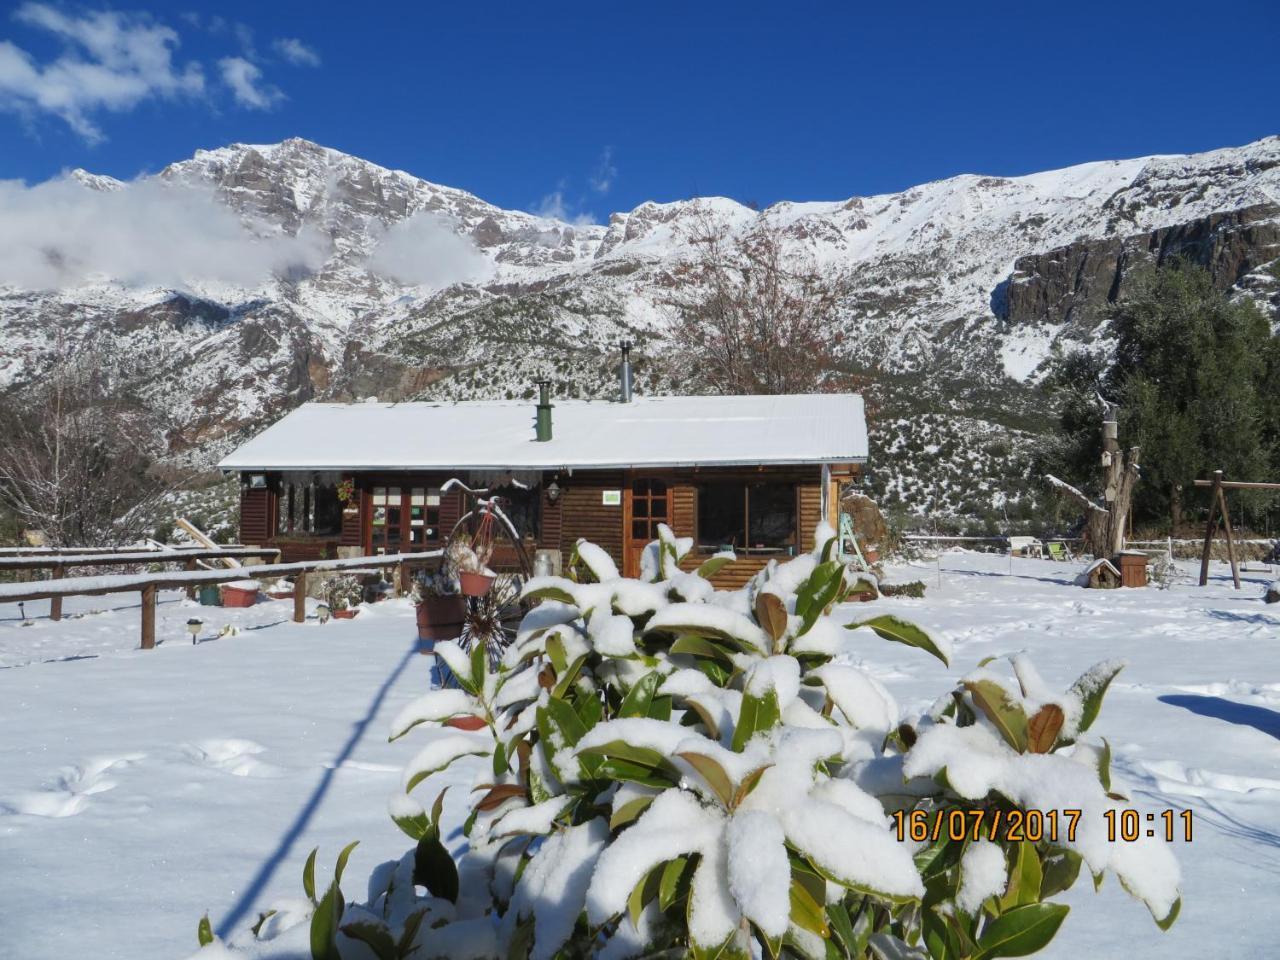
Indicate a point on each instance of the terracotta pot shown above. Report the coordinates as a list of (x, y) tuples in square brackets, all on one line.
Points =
[(347, 614), (466, 723), (476, 584), (871, 555), (440, 618)]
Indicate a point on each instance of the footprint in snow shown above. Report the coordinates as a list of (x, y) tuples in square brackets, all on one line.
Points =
[(237, 757), (71, 790)]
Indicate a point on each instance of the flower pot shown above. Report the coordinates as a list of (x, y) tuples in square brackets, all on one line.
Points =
[(871, 555), (476, 584), (347, 614), (239, 594), (466, 723), (440, 618)]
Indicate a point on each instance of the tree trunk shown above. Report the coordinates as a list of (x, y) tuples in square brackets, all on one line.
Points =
[(1175, 508)]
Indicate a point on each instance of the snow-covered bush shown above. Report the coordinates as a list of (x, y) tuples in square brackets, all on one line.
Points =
[(668, 767), (343, 591)]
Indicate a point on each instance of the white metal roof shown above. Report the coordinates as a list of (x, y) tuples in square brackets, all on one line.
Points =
[(499, 435)]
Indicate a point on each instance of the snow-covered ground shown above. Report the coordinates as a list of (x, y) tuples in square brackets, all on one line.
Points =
[(139, 789)]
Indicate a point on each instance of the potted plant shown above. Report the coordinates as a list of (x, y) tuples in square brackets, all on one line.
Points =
[(440, 606), (344, 594), (471, 561)]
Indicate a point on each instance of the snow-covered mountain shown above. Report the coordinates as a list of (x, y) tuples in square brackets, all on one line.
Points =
[(376, 282)]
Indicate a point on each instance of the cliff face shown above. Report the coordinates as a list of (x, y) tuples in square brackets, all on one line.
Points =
[(1072, 286)]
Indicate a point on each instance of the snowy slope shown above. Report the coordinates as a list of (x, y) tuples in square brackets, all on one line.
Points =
[(140, 789), (397, 287)]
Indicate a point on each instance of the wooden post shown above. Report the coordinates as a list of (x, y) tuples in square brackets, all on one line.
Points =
[(191, 590), (148, 617), (55, 603), (401, 579), (1211, 528), (1226, 525), (300, 598)]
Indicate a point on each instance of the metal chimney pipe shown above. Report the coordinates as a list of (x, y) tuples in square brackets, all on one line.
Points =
[(544, 411), (625, 372)]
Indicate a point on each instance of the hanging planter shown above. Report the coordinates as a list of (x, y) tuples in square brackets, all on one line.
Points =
[(475, 584)]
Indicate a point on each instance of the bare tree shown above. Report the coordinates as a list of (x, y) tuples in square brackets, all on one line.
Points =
[(1106, 523), (752, 315), (76, 456)]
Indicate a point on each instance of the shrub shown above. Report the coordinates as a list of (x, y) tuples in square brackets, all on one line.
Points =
[(668, 767)]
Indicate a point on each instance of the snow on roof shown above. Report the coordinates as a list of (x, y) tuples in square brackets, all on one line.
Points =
[(499, 435)]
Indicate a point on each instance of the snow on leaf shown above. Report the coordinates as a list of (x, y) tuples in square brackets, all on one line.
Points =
[(438, 705), (442, 751), (758, 871)]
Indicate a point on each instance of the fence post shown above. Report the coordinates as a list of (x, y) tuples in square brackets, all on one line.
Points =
[(148, 617), (300, 598), (55, 603), (190, 565), (401, 579)]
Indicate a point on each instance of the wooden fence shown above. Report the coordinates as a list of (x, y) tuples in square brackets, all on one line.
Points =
[(57, 563), (148, 584)]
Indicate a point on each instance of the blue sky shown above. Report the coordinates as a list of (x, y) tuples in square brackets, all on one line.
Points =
[(598, 107)]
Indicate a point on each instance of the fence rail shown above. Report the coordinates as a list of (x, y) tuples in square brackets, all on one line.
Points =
[(54, 551), (147, 584)]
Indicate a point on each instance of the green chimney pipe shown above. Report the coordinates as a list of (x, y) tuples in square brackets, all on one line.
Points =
[(544, 411)]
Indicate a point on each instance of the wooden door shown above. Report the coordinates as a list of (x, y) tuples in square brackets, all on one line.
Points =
[(648, 503)]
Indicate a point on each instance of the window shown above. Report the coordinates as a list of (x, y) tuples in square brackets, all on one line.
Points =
[(747, 517), (648, 508), (523, 507), (308, 509)]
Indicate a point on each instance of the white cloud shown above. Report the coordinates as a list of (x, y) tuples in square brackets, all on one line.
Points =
[(146, 233), (245, 82), (603, 176), (112, 61), (554, 207), (427, 250), (297, 52)]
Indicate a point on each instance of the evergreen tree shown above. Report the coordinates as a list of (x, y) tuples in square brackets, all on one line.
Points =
[(1195, 376)]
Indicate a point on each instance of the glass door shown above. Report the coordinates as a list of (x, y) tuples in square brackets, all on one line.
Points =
[(404, 519)]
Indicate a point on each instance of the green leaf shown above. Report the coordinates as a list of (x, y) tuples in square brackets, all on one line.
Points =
[(713, 565), (343, 857), (1104, 765), (1059, 872), (806, 912), (1025, 878), (500, 764), (642, 893), (1091, 688), (434, 869), (414, 826), (702, 648), (639, 698), (557, 590), (410, 931), (376, 936), (821, 589), (1021, 931), (204, 931), (479, 663), (757, 714), (1008, 717), (309, 875), (629, 812), (651, 761), (889, 627), (713, 774), (674, 884), (1171, 916), (324, 925), (568, 678)]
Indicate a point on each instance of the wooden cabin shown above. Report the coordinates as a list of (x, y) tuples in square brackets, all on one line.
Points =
[(754, 474)]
